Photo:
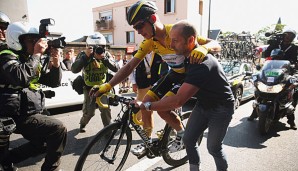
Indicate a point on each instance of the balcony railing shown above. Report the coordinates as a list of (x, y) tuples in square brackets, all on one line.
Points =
[(104, 25)]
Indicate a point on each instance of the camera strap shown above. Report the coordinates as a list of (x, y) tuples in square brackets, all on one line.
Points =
[(286, 49)]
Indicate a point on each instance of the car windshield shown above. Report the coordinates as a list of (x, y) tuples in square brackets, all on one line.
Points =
[(231, 68)]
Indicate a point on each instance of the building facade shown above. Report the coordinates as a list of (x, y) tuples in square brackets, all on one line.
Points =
[(110, 20)]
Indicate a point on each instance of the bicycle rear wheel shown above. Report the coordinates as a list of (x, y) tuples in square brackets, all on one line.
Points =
[(180, 157), (108, 150)]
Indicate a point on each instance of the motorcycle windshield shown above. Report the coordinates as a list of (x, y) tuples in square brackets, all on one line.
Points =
[(273, 71)]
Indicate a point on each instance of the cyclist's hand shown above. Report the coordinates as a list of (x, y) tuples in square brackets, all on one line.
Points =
[(198, 54), (98, 90)]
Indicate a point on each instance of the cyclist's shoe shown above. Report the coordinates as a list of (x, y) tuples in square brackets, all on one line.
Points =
[(140, 149), (176, 145)]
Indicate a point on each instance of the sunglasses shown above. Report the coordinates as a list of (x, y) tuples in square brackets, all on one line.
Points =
[(140, 25)]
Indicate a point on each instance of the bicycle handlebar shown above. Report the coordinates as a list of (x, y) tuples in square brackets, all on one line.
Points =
[(123, 100)]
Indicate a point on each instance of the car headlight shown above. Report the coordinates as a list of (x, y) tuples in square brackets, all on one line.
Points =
[(270, 89)]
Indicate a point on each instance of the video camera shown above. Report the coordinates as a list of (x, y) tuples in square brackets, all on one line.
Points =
[(275, 38), (44, 32)]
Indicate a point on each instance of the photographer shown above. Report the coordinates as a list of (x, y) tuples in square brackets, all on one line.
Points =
[(94, 62), (283, 42), (21, 73)]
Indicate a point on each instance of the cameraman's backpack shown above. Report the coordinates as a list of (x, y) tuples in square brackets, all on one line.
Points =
[(78, 84)]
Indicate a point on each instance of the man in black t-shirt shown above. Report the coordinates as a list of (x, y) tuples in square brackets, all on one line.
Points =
[(215, 104)]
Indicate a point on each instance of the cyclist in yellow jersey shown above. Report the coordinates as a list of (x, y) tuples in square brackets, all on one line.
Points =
[(142, 15)]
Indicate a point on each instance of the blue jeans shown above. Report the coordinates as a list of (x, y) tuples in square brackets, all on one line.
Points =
[(217, 120)]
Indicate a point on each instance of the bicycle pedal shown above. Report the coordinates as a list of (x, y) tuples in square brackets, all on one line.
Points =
[(141, 155)]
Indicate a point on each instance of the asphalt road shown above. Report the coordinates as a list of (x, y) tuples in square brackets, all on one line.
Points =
[(245, 148)]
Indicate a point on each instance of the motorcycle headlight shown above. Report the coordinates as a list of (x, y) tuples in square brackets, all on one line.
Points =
[(270, 89)]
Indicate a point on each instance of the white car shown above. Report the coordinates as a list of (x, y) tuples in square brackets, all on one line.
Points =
[(64, 94), (239, 77)]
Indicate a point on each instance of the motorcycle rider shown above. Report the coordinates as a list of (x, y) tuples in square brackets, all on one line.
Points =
[(21, 73), (289, 52)]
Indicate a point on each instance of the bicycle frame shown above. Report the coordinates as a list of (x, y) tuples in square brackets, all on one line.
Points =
[(154, 148), (113, 143)]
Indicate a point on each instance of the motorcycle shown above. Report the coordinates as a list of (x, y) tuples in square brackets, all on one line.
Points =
[(274, 88)]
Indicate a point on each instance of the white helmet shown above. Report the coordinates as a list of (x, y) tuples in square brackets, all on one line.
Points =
[(293, 32), (96, 39), (4, 18), (15, 30)]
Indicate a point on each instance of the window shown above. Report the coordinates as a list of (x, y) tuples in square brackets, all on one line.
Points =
[(130, 37), (170, 6), (107, 15), (126, 10), (109, 37)]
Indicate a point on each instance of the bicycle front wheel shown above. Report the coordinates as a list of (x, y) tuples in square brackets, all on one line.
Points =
[(107, 151), (180, 157)]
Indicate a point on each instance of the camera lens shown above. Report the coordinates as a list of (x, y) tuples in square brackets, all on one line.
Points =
[(99, 50)]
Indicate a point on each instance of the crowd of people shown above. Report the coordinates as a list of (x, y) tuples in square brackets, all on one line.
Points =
[(171, 65)]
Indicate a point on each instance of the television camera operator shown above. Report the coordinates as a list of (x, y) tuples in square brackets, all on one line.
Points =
[(21, 72), (284, 42)]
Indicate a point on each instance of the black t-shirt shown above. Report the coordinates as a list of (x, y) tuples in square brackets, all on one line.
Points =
[(211, 81), (67, 63), (142, 80)]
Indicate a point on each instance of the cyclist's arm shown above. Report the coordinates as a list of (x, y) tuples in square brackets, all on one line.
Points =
[(125, 71), (185, 92)]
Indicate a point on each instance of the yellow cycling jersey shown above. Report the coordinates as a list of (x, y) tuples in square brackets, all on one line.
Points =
[(176, 62)]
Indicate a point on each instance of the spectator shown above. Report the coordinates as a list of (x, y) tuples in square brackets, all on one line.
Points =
[(68, 60)]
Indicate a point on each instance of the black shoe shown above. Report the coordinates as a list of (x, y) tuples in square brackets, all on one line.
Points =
[(292, 125), (253, 116), (83, 128), (9, 167)]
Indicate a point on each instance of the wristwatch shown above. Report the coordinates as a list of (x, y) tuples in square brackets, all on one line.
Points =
[(147, 106)]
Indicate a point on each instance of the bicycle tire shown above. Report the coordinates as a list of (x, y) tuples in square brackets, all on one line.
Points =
[(91, 158), (181, 155)]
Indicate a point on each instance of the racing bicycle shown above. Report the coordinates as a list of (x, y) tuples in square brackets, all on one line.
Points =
[(110, 147)]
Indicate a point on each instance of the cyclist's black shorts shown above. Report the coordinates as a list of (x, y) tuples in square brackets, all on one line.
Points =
[(168, 83)]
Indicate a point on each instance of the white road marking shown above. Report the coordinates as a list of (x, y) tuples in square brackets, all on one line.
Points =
[(144, 164)]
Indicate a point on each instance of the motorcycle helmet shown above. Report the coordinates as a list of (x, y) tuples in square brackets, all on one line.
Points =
[(96, 39), (4, 19), (15, 31), (293, 32), (141, 10)]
